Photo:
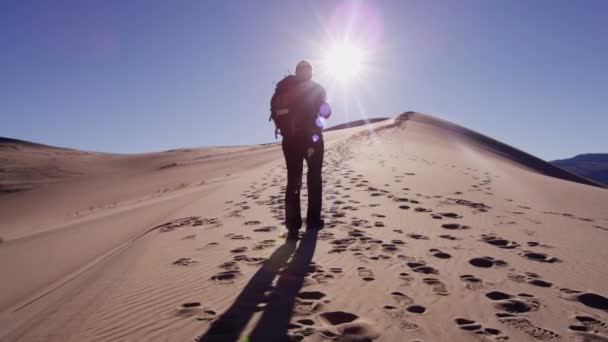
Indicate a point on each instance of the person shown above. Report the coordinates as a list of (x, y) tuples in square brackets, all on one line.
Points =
[(299, 109)]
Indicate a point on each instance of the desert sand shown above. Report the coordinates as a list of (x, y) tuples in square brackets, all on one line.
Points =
[(433, 233)]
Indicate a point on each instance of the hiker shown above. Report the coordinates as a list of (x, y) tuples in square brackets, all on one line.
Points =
[(299, 110)]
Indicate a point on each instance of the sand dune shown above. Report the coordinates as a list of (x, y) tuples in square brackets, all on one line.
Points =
[(434, 233)]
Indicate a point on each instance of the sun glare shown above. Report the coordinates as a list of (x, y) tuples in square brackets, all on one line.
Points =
[(343, 61)]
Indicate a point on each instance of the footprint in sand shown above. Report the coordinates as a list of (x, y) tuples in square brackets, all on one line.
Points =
[(591, 325), (227, 276), (365, 273), (530, 278), (311, 295), (400, 316), (336, 270), (450, 215), (498, 242), (321, 277), (232, 236), (401, 298), (439, 254), (487, 262), (193, 308), (325, 235), (588, 299), (356, 233), (345, 326), (389, 247), (193, 221), (249, 260), (437, 285), (340, 245), (449, 237), (418, 236), (239, 250), (208, 245), (185, 262), (300, 329), (266, 229), (206, 315), (454, 226), (380, 257), (264, 244), (417, 309), (252, 222), (485, 334), (406, 279), (541, 257), (538, 244), (466, 324), (472, 282), (514, 304), (422, 267), (318, 274), (405, 258), (309, 302), (523, 324)]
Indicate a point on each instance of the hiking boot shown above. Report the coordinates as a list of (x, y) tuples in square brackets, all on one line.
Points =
[(293, 235), (315, 224)]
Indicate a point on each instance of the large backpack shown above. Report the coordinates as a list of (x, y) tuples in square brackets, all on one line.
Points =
[(292, 106)]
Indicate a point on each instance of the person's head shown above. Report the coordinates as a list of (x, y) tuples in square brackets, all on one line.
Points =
[(304, 70)]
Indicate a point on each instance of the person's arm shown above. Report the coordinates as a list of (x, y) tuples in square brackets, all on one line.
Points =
[(324, 108), (274, 99)]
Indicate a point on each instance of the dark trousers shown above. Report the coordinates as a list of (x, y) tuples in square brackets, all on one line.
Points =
[(296, 150)]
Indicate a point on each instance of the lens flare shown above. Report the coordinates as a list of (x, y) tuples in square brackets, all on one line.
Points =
[(320, 122), (325, 110)]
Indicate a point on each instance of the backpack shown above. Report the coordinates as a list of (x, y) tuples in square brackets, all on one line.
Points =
[(292, 106)]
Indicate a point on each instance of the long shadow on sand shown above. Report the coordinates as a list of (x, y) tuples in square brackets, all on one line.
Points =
[(274, 322)]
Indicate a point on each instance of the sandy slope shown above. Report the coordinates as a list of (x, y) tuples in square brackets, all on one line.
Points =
[(434, 233)]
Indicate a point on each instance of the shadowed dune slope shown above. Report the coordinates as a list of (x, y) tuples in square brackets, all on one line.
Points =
[(484, 142)]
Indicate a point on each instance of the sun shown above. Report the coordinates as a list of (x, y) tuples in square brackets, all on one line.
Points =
[(343, 61)]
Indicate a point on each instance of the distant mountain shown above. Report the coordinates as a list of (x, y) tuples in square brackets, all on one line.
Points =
[(591, 165)]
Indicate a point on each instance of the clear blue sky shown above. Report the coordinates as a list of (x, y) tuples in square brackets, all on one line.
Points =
[(136, 76)]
